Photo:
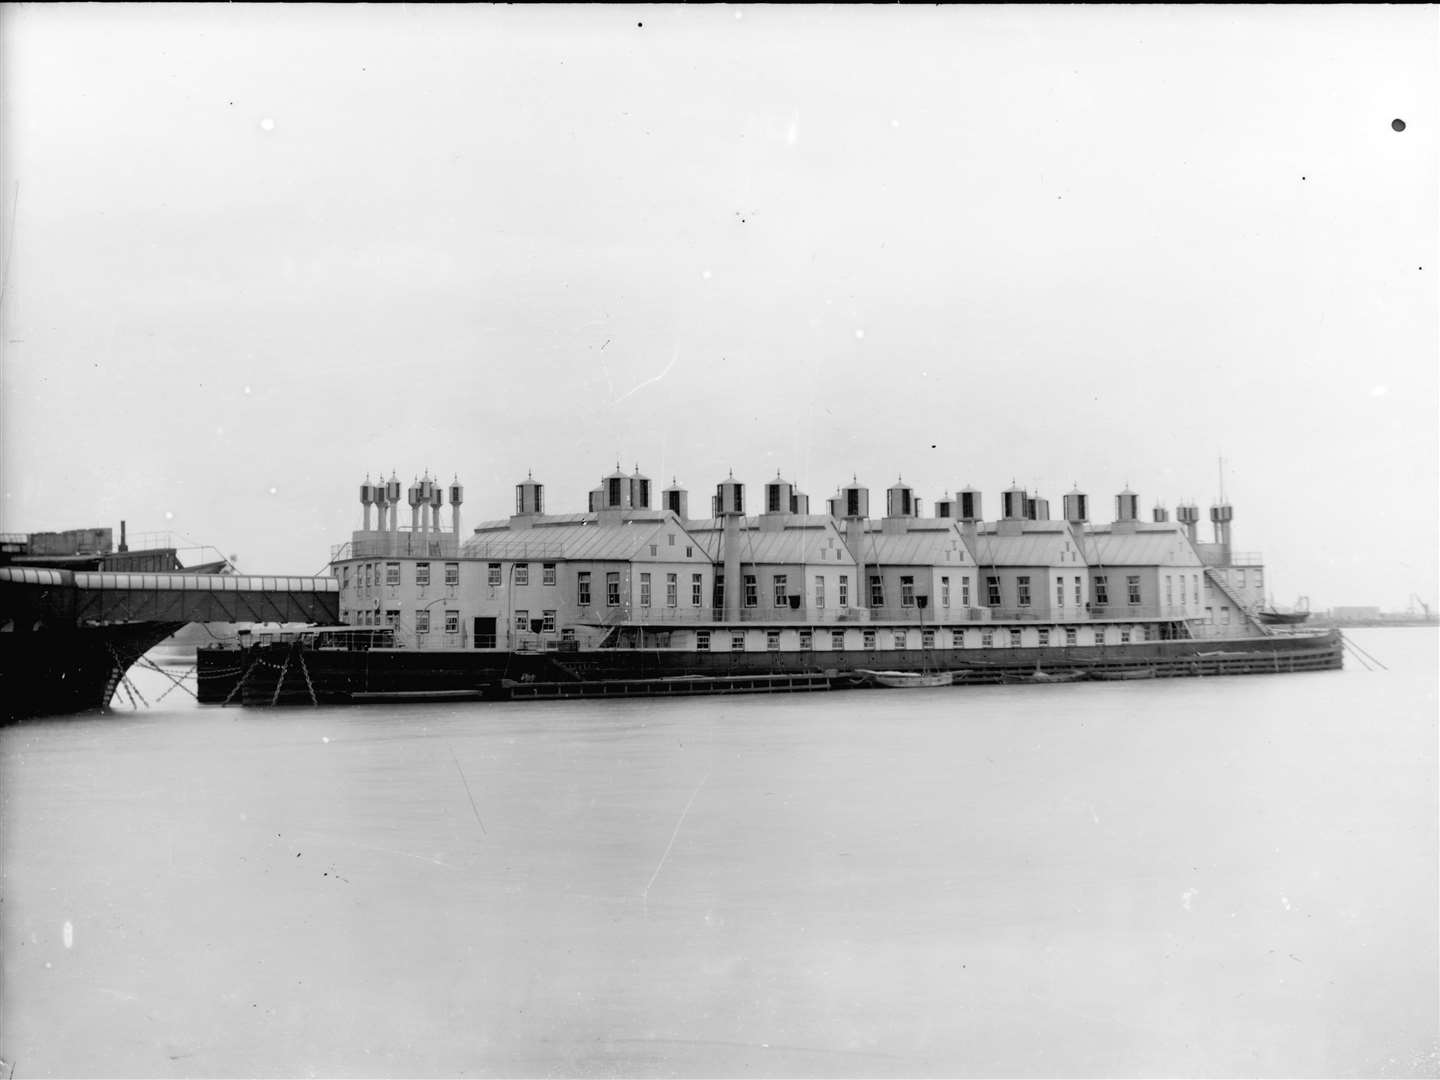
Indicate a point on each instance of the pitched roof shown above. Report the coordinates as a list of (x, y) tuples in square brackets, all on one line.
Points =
[(1149, 545), (572, 536), (805, 538), (1040, 544), (926, 542)]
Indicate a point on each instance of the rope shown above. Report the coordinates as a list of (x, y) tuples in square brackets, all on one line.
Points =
[(238, 684), (305, 670), (280, 682)]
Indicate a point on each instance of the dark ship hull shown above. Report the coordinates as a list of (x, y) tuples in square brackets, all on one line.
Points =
[(69, 670)]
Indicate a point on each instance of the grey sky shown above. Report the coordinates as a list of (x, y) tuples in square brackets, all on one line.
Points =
[(258, 252)]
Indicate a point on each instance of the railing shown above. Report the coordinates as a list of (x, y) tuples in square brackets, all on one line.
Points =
[(388, 545)]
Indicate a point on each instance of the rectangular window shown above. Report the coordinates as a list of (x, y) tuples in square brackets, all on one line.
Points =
[(807, 640), (452, 622), (654, 550), (752, 591), (907, 590), (1169, 594), (1078, 594), (1044, 637), (392, 573), (870, 639), (612, 588), (837, 640), (1070, 635), (689, 552), (737, 641), (781, 597), (644, 590), (452, 573), (819, 592), (422, 574), (717, 593), (1102, 591), (547, 573), (582, 588), (492, 574), (1022, 589), (367, 575), (1225, 614), (965, 590), (392, 616), (422, 621), (1059, 592), (345, 576), (1125, 636), (927, 639), (844, 597), (987, 638), (1195, 584), (549, 616), (897, 639), (522, 620), (1132, 584), (992, 591), (944, 592), (1099, 637), (1014, 638), (672, 590), (522, 573), (697, 590), (702, 640), (772, 640), (877, 591)]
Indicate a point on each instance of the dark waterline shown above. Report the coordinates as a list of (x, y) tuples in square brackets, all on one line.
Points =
[(1221, 877)]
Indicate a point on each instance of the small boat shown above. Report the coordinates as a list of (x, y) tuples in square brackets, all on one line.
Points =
[(904, 679), (1038, 676), (1272, 617), (1120, 674)]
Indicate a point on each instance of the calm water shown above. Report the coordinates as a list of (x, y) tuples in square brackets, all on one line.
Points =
[(1228, 877)]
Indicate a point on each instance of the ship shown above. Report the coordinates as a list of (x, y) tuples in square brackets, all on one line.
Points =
[(636, 596)]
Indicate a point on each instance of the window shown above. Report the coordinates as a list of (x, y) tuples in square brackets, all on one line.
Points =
[(807, 640), (1124, 635), (1014, 638), (452, 573), (644, 590), (907, 590), (671, 538), (582, 588), (522, 573), (870, 639), (367, 575), (844, 597), (992, 591), (549, 616), (897, 639), (345, 576), (837, 640), (1099, 637), (492, 574), (877, 591), (1102, 591), (702, 640), (452, 622), (547, 573), (1169, 595), (612, 588), (1070, 635), (772, 640), (752, 591), (944, 592), (392, 573), (1132, 584), (697, 590), (927, 639), (672, 590), (1078, 594), (781, 599), (1044, 637), (1144, 633), (1059, 592), (819, 592), (689, 552), (717, 593), (522, 620), (1225, 614), (422, 621), (392, 616), (1195, 584), (1022, 589), (965, 591), (987, 638), (1240, 578), (422, 574), (737, 641), (654, 550)]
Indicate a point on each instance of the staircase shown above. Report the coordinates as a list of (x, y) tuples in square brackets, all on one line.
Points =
[(1220, 584)]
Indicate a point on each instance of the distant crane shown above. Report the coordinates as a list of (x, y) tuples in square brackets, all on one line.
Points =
[(1423, 606)]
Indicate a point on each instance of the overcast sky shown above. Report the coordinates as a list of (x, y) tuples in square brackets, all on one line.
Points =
[(255, 253)]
